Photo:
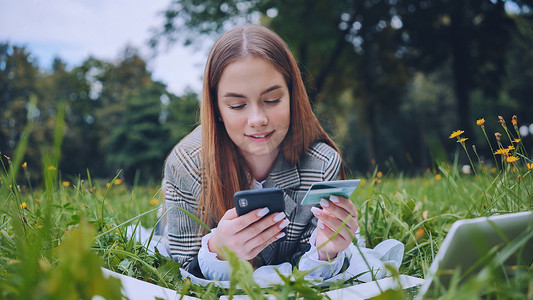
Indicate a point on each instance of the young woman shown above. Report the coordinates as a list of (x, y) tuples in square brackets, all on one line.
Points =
[(257, 130)]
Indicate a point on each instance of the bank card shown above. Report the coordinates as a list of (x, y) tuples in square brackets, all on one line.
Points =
[(324, 189)]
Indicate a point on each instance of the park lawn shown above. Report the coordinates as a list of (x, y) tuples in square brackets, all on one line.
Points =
[(48, 235)]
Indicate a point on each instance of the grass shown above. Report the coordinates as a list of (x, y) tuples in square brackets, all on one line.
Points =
[(55, 238)]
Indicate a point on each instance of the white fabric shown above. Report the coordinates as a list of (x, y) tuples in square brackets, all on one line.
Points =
[(387, 252), (369, 264), (215, 269)]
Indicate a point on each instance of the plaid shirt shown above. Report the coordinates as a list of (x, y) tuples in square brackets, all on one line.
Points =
[(183, 185)]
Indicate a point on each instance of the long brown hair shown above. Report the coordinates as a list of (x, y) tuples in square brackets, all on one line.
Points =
[(224, 171)]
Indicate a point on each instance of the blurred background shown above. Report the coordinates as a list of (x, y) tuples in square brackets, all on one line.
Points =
[(389, 79)]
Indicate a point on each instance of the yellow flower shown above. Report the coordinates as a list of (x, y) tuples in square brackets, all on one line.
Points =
[(13, 261), (420, 233), (516, 141), (51, 168), (438, 177), (65, 183), (480, 122), (512, 159), (530, 166), (510, 148), (118, 181), (23, 205), (502, 121), (25, 164), (456, 134), (504, 152), (379, 174), (154, 202), (462, 140)]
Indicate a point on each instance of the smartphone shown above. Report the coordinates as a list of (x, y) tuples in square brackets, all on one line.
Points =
[(324, 189), (246, 201)]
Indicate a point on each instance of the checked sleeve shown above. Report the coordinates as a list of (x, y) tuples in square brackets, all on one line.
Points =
[(182, 185)]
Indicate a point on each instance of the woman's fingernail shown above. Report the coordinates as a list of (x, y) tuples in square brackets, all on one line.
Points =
[(316, 211), (279, 216), (284, 224), (263, 212), (280, 235), (321, 225), (334, 198), (324, 202)]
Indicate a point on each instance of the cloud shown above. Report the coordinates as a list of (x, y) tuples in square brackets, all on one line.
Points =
[(76, 29)]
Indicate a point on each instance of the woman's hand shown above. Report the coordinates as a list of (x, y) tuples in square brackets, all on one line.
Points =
[(248, 234), (335, 211)]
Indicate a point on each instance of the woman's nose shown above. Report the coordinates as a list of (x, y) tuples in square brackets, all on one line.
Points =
[(257, 117)]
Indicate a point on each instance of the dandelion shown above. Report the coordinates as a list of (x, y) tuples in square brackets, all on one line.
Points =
[(530, 166), (502, 121), (420, 233), (154, 202), (480, 122), (498, 136), (516, 141), (24, 205), (438, 177), (52, 168), (462, 140), (24, 165), (456, 133), (379, 174), (66, 183), (118, 181), (512, 159), (503, 152)]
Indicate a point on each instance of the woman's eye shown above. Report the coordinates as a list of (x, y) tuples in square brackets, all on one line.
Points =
[(236, 106), (273, 101)]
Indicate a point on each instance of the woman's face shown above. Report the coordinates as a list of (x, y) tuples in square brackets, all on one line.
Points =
[(254, 104)]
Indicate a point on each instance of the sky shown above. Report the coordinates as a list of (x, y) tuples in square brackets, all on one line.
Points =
[(76, 29)]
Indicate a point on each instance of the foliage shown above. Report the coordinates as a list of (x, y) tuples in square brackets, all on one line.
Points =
[(358, 59), (115, 118)]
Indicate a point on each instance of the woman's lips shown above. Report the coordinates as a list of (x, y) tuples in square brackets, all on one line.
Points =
[(260, 137)]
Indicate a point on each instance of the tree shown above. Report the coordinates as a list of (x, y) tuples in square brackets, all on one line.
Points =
[(18, 76), (138, 143), (372, 48)]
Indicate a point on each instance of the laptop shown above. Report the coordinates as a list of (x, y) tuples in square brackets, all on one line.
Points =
[(503, 241), (500, 243)]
